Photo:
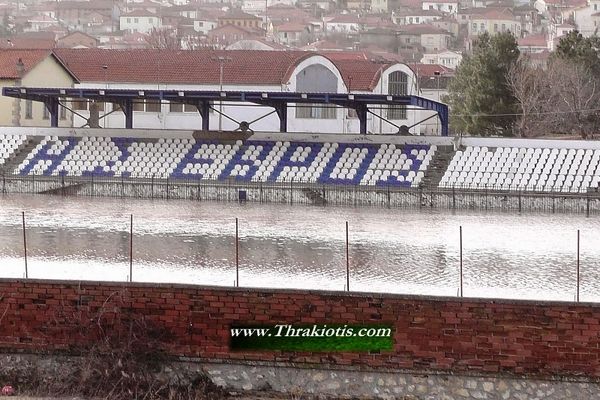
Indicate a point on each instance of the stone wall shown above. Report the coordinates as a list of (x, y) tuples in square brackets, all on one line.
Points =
[(345, 382)]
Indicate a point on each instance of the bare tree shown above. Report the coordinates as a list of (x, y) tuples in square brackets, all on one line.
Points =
[(163, 39), (575, 95), (531, 89)]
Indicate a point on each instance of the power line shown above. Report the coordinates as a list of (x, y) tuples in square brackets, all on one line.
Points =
[(532, 113)]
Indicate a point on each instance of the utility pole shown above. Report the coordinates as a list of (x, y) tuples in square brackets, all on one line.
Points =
[(222, 60)]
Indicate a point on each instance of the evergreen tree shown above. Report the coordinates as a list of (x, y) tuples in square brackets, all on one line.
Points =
[(479, 95), (575, 48)]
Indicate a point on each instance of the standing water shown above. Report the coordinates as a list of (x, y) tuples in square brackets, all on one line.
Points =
[(400, 251)]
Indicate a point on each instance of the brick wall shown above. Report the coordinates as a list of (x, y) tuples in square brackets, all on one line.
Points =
[(444, 334)]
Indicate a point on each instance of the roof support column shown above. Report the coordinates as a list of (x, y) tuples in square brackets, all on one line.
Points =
[(443, 113), (204, 110), (282, 113), (127, 107), (362, 111), (52, 106)]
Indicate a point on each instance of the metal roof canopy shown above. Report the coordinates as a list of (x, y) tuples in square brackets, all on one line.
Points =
[(203, 99)]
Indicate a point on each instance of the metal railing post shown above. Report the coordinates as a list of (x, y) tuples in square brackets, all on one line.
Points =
[(25, 246), (461, 260), (131, 248), (347, 260)]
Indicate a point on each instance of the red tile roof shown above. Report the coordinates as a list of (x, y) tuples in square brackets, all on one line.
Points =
[(428, 70), (247, 67), (139, 13), (180, 66), (496, 14), (361, 75), (422, 29), (236, 13), (26, 43), (291, 27), (538, 40), (9, 59)]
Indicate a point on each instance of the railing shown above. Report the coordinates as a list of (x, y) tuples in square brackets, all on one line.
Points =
[(293, 192)]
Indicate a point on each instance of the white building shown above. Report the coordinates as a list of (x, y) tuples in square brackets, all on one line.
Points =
[(446, 6), (493, 21), (139, 21), (587, 18), (344, 23), (447, 58), (204, 25), (293, 71)]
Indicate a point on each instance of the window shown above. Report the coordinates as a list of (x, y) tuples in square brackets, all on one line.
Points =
[(316, 111), (482, 26), (178, 107), (153, 105), (63, 113), (397, 85), (200, 24), (417, 20), (79, 105), (503, 27), (28, 109), (431, 7), (595, 7), (407, 40), (45, 113), (495, 27), (410, 20), (128, 20), (474, 26), (450, 7), (138, 105)]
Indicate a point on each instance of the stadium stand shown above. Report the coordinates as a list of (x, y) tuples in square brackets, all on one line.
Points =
[(523, 169), (250, 160), (9, 145)]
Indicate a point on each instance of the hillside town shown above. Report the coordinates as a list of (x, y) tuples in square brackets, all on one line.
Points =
[(412, 31), (403, 47)]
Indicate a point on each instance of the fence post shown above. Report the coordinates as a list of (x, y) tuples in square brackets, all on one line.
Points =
[(461, 260), (25, 246), (131, 249), (453, 198), (577, 297), (388, 197), (237, 255), (347, 261), (587, 208)]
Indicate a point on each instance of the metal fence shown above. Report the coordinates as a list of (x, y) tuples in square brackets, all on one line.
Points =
[(303, 193)]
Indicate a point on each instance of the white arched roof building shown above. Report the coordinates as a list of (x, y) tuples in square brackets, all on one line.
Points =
[(244, 70)]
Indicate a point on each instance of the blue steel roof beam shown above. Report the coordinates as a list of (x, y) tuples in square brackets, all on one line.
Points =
[(347, 100)]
